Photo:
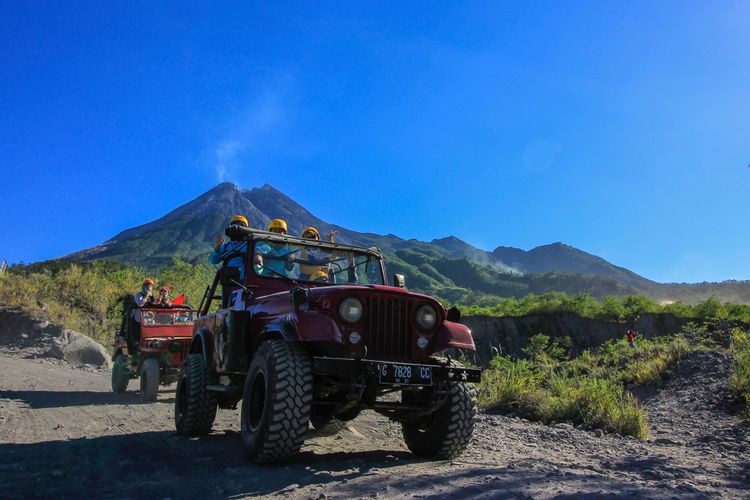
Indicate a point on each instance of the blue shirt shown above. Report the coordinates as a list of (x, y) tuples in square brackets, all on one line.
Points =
[(226, 250)]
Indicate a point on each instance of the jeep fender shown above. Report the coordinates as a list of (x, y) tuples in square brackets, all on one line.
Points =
[(454, 335), (285, 330), (202, 343)]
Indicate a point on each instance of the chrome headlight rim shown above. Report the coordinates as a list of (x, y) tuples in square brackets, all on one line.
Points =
[(422, 315), (351, 310)]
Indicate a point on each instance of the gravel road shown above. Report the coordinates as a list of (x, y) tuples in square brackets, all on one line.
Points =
[(63, 433)]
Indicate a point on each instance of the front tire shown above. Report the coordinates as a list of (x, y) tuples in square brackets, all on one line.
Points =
[(120, 374), (276, 402), (447, 432), (194, 405), (149, 380)]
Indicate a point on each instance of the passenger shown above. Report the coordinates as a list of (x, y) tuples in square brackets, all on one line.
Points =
[(146, 296), (320, 276), (277, 259), (314, 260), (278, 226), (163, 299), (231, 255)]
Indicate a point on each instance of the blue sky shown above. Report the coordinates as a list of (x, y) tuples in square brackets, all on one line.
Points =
[(621, 128)]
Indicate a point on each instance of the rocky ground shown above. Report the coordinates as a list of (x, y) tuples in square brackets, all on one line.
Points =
[(63, 433)]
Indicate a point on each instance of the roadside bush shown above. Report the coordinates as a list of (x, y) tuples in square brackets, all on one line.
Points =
[(739, 382), (589, 390)]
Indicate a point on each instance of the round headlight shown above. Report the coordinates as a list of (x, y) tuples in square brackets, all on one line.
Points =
[(426, 317), (350, 310)]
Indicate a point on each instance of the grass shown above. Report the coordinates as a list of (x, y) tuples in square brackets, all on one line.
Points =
[(739, 382), (591, 389)]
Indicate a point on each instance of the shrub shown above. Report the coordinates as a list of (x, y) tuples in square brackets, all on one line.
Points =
[(739, 382)]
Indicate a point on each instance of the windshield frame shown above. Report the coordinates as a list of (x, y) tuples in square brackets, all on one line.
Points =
[(256, 236)]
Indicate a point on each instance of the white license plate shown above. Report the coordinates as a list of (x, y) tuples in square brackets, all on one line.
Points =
[(398, 374)]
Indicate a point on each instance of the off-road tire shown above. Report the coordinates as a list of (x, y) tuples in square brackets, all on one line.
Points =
[(447, 432), (194, 405), (149, 380), (276, 402), (120, 374)]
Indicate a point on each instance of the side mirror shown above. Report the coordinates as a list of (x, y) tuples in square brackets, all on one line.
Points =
[(454, 315), (399, 281)]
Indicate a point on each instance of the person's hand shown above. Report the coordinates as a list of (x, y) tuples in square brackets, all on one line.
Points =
[(331, 234), (219, 241)]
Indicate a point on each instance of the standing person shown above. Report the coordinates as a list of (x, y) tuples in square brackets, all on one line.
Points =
[(631, 335), (146, 295), (231, 255)]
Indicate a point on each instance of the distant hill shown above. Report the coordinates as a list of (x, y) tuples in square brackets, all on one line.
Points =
[(448, 267)]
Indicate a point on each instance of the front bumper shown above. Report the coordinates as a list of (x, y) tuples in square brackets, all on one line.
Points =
[(370, 369)]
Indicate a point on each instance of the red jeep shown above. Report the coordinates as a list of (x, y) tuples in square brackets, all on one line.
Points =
[(314, 335), (152, 348)]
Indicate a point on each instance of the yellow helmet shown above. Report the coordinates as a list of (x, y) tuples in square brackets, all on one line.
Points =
[(319, 276), (312, 230), (240, 219), (278, 224)]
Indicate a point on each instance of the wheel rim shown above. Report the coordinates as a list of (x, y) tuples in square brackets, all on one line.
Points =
[(257, 401)]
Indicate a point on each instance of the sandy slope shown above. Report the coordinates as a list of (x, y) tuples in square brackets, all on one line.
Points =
[(64, 433)]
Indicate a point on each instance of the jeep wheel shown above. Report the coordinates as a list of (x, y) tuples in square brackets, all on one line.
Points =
[(149, 380), (120, 374), (447, 432), (194, 405), (276, 402)]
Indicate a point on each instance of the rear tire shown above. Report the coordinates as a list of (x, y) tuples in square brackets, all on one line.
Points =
[(447, 432), (276, 402), (149, 380), (194, 405), (120, 374)]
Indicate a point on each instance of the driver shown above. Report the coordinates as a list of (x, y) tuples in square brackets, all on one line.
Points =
[(315, 258)]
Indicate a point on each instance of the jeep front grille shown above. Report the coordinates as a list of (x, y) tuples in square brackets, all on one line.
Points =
[(387, 329)]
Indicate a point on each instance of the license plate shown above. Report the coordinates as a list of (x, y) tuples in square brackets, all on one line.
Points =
[(397, 374)]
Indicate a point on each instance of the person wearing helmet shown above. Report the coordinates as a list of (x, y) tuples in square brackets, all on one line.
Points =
[(231, 256), (277, 259), (163, 299), (232, 252), (146, 295), (320, 276), (278, 226), (312, 260)]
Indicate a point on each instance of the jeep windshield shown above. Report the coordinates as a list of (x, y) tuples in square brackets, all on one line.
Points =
[(316, 263)]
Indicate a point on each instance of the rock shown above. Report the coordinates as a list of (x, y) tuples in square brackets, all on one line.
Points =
[(598, 433), (40, 325), (81, 350)]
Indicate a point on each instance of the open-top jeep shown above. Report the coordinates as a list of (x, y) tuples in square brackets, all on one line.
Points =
[(312, 334), (152, 348)]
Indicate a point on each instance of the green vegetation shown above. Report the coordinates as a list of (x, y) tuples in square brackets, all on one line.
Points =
[(590, 389), (627, 308), (740, 380), (87, 297)]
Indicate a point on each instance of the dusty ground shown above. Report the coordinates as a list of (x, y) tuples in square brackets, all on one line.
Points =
[(63, 433)]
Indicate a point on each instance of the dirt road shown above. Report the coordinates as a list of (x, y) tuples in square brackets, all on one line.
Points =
[(63, 433)]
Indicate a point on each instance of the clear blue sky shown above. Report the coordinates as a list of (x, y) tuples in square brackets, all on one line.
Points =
[(621, 128)]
